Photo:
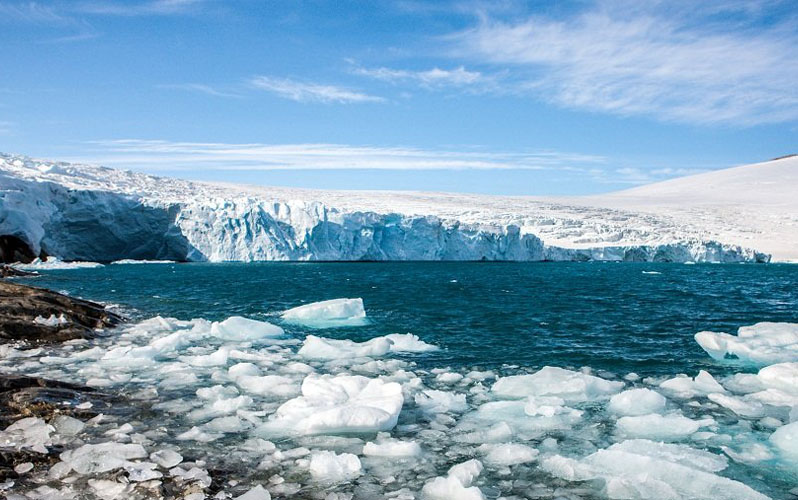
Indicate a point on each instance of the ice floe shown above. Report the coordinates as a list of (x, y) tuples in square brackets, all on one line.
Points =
[(328, 314), (760, 344), (569, 385)]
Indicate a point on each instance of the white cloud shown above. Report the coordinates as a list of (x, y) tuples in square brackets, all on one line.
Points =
[(673, 61), (30, 12), (310, 92), (165, 155), (435, 77)]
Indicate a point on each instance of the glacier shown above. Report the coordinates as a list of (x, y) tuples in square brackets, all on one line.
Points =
[(91, 213)]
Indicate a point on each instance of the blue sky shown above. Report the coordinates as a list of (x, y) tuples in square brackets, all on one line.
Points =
[(497, 97)]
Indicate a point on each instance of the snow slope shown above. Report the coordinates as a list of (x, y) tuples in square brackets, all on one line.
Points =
[(86, 212)]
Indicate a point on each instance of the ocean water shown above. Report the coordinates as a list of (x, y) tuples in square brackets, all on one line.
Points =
[(489, 320), (611, 316)]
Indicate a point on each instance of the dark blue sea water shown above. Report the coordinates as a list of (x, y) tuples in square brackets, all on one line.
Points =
[(611, 316)]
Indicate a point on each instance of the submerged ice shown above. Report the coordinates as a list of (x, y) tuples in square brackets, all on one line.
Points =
[(302, 415)]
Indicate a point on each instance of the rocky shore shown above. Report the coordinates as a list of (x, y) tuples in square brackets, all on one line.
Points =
[(30, 317)]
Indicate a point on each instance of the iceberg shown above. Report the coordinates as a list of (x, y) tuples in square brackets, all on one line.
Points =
[(328, 314), (243, 329)]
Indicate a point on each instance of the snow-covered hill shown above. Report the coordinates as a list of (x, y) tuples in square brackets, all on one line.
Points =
[(87, 212)]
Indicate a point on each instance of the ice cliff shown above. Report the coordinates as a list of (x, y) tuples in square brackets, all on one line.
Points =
[(84, 212)]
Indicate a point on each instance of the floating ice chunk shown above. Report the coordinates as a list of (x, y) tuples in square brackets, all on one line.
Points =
[(407, 342), (675, 453), (661, 427), (553, 381), (645, 472), (23, 468), (107, 489), (103, 457), (455, 485), (51, 321), (786, 440), (268, 385), (256, 493), (432, 401), (320, 348), (142, 471), (166, 458), (781, 376), (216, 358), (740, 406), (688, 388), (237, 328), (336, 405), (67, 426), (243, 369), (30, 432), (328, 314), (507, 454), (760, 344), (330, 467), (448, 378), (392, 448), (522, 417), (54, 263), (635, 402)]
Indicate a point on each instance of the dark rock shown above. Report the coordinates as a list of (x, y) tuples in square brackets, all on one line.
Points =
[(20, 305), (13, 249), (12, 272)]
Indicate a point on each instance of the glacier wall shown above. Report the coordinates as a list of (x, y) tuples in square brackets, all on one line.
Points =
[(105, 225)]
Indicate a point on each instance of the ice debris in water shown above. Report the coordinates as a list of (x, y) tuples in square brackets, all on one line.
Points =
[(387, 447), (330, 467), (506, 454), (635, 402), (688, 388), (238, 328), (670, 427), (641, 469), (256, 493), (456, 484), (786, 440), (338, 405), (569, 385), (760, 344), (328, 314)]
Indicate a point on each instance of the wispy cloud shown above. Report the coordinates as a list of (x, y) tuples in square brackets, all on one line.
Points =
[(31, 12), (165, 155), (200, 88), (138, 8), (675, 62), (435, 77), (310, 92)]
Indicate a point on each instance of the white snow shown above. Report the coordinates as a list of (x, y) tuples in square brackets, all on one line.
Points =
[(328, 313), (716, 217)]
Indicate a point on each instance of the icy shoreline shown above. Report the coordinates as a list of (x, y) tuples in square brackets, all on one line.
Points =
[(319, 416)]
